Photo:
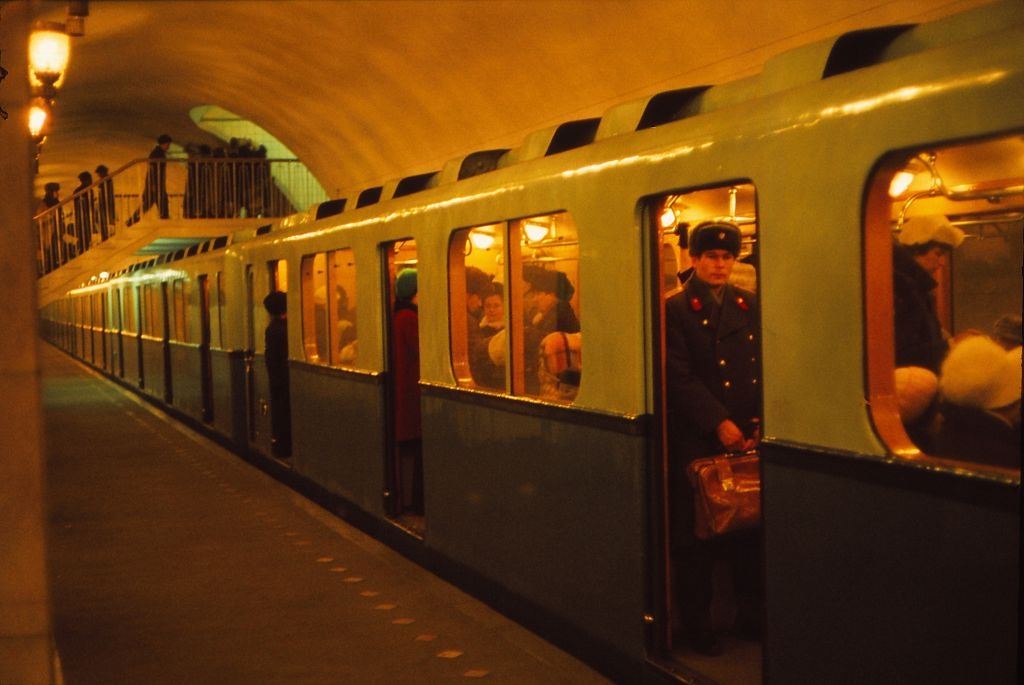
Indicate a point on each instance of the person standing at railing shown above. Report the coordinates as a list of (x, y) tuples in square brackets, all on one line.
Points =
[(52, 228), (105, 214), (84, 210), (190, 206), (155, 192)]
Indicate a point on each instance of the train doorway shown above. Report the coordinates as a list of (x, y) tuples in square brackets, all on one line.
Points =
[(104, 354), (166, 311), (205, 360), (249, 355), (708, 585), (403, 467)]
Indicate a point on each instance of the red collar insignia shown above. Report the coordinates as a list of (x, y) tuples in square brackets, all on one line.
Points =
[(695, 304)]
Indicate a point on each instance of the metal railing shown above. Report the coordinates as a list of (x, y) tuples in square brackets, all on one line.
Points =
[(174, 189)]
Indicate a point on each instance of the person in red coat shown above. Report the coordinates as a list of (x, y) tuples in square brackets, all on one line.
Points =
[(406, 350)]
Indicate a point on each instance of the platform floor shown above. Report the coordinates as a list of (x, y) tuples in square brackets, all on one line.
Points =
[(174, 561)]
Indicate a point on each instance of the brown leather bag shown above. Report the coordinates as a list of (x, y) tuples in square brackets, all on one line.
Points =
[(727, 493)]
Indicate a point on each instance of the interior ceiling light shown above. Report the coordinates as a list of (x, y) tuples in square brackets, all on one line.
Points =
[(668, 218), (901, 180), (481, 240), (535, 232)]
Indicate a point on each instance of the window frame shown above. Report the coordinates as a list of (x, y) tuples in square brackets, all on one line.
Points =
[(879, 330), (515, 288)]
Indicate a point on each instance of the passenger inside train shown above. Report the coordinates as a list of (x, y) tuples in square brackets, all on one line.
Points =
[(407, 421)]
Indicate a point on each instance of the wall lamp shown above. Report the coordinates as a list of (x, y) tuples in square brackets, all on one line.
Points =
[(49, 47), (38, 117)]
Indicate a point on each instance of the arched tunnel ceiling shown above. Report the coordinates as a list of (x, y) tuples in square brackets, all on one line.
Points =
[(368, 91)]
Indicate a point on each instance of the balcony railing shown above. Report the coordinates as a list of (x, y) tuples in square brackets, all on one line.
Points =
[(176, 190)]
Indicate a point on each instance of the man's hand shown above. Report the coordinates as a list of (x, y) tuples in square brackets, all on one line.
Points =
[(732, 437)]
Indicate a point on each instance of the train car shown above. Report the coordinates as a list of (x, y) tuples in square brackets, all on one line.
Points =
[(539, 478)]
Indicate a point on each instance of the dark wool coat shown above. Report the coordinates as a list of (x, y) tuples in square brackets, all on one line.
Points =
[(711, 364), (406, 344), (275, 355), (919, 339)]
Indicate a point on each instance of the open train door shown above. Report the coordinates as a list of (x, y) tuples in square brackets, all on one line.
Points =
[(691, 577), (205, 360), (249, 355), (403, 461)]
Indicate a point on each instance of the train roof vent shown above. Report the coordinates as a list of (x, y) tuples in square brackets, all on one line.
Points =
[(180, 254), (330, 208), (263, 230), (480, 162), (670, 106), (551, 140), (858, 49), (220, 242), (573, 134), (194, 250), (370, 196), (414, 184), (651, 111)]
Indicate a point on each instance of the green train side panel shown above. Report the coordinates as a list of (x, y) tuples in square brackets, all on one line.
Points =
[(552, 511), (153, 367), (881, 573), (228, 371), (338, 432), (188, 389)]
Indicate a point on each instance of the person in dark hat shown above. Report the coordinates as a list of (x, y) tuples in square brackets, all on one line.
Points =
[(548, 310), (276, 358), (85, 208), (714, 406), (52, 227), (155, 192), (104, 201)]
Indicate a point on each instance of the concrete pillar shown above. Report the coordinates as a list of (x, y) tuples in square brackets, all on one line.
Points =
[(26, 644)]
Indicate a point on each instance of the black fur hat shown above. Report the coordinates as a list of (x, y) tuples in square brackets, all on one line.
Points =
[(276, 303), (715, 235)]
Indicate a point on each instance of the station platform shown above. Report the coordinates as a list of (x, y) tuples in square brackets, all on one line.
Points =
[(172, 560)]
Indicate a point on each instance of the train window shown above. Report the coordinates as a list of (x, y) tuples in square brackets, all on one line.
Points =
[(146, 313), (328, 308), (547, 349), (278, 272), (476, 269), (342, 307), (179, 321), (315, 336), (129, 309), (534, 321), (943, 242)]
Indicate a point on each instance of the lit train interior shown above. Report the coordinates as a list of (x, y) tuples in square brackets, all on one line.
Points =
[(979, 187)]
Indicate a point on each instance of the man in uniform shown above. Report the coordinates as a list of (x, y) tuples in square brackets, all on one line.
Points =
[(714, 398)]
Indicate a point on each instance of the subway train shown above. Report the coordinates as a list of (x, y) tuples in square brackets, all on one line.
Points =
[(542, 463)]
